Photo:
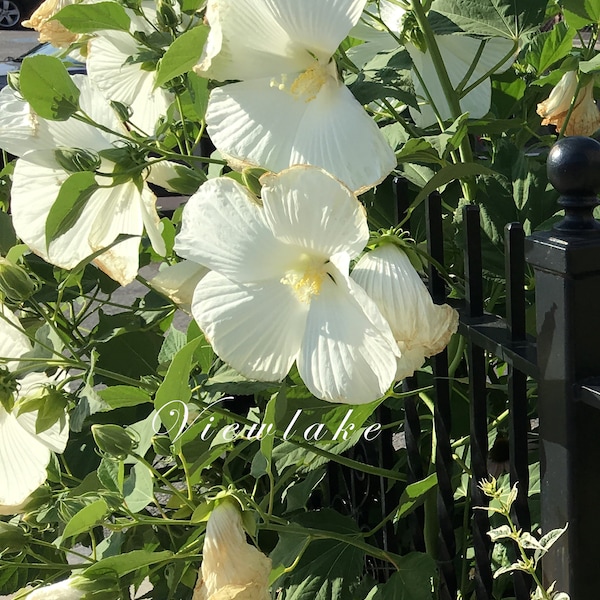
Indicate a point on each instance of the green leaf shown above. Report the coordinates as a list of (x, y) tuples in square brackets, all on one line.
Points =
[(87, 518), (198, 88), (182, 55), (72, 198), (414, 495), (120, 396), (128, 562), (174, 392), (550, 47), (138, 490), (489, 18), (590, 66), (580, 13), (412, 581), (87, 18), (46, 85), (448, 174)]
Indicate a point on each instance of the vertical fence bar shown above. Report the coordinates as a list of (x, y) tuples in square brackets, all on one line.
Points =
[(567, 268), (514, 244), (442, 416), (478, 406)]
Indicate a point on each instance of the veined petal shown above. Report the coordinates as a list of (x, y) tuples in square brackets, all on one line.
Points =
[(255, 327), (258, 123), (151, 220), (126, 82), (348, 353), (307, 207), (55, 438), (224, 229), (23, 461), (179, 281), (13, 342), (286, 35)]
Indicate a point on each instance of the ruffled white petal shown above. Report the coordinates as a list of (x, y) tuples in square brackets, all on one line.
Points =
[(348, 353), (255, 327), (302, 200), (13, 342), (179, 281), (224, 229), (284, 35), (63, 590), (255, 122), (126, 82)]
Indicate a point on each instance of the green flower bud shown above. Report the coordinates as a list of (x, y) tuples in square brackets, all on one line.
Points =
[(74, 160), (114, 440), (166, 15), (8, 387), (15, 283)]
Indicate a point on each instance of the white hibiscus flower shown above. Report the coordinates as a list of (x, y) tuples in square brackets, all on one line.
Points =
[(111, 210), (289, 106), (420, 327), (231, 567), (24, 454), (279, 292)]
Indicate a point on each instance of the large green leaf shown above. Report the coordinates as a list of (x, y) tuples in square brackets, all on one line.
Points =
[(580, 13), (128, 562), (72, 198), (87, 518), (550, 47), (492, 18), (47, 86), (87, 18), (182, 54), (412, 581)]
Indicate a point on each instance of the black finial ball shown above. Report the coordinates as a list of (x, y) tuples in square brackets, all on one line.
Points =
[(574, 166)]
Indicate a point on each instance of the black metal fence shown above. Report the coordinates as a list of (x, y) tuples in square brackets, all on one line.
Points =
[(564, 359)]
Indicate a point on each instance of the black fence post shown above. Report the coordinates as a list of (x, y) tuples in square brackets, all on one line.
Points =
[(567, 274)]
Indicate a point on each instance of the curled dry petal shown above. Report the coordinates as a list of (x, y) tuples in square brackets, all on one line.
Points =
[(420, 327), (585, 117), (231, 568), (51, 31)]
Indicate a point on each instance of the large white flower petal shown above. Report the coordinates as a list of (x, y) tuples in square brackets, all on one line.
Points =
[(255, 122), (126, 82), (13, 342), (284, 35), (224, 229), (458, 51), (348, 353), (54, 438), (179, 281), (23, 461), (255, 327), (307, 207)]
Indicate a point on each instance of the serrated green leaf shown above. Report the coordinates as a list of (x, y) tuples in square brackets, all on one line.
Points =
[(120, 396), (580, 13), (413, 580), (72, 198), (87, 518), (182, 55), (88, 18), (550, 47), (46, 85)]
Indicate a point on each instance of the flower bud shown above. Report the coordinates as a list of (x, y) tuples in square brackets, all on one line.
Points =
[(114, 440), (74, 160), (8, 387), (166, 15), (15, 283)]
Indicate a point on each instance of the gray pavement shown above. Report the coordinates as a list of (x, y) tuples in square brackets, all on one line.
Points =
[(13, 43)]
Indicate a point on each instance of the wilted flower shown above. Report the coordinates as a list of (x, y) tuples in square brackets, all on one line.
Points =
[(51, 151), (289, 106), (76, 587), (420, 327), (24, 454), (231, 568), (51, 30), (585, 116), (279, 291)]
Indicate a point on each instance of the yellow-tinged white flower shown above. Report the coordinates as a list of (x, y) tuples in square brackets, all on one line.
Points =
[(24, 454), (458, 53), (585, 117), (121, 79), (110, 211), (279, 291), (231, 568), (51, 30), (63, 590), (420, 327), (289, 106)]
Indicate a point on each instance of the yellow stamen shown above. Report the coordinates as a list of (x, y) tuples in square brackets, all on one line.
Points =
[(306, 280), (309, 83)]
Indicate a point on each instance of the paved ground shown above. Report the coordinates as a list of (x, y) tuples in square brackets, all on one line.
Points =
[(13, 43)]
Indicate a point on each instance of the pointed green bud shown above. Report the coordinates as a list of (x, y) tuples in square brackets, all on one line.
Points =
[(74, 160), (8, 388), (114, 440), (166, 15), (15, 283)]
